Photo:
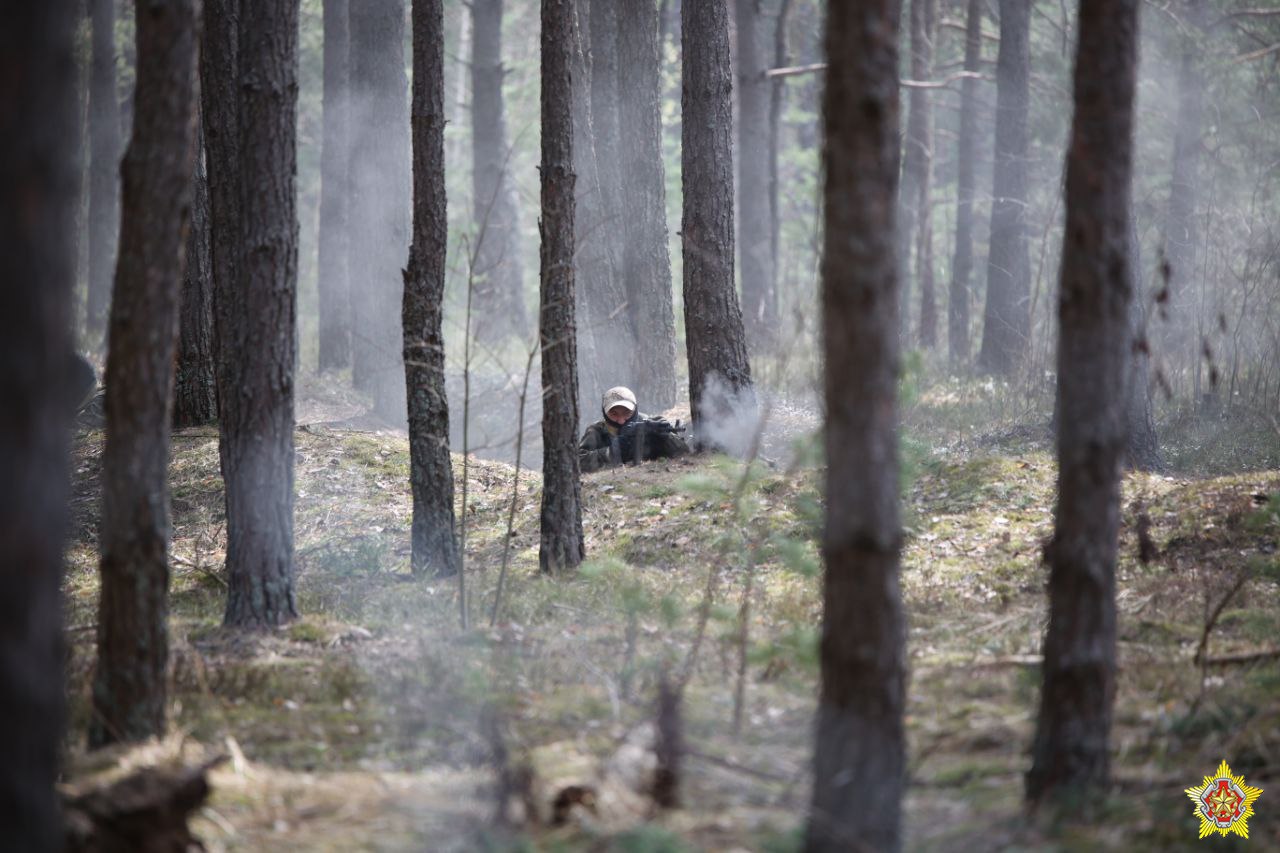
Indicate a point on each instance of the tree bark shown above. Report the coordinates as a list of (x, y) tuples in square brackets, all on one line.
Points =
[(380, 201), (860, 751), (606, 339), (334, 284), (37, 190), (1007, 321), (1142, 445), (959, 301), (1179, 339), (915, 161), (719, 372), (1070, 754), (435, 545), (646, 258), (134, 530), (104, 167), (195, 397), (260, 339), (755, 238), (498, 265), (562, 546)]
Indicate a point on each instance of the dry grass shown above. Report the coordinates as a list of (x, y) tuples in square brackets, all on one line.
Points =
[(361, 726)]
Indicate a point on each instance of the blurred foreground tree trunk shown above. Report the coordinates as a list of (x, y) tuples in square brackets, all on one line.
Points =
[(606, 340), (562, 544), (435, 546), (1007, 320), (37, 191), (1070, 754), (755, 238), (250, 65), (860, 752), (104, 167), (134, 529), (719, 372), (195, 393), (959, 300), (334, 283), (380, 199), (1180, 341), (646, 256), (498, 273)]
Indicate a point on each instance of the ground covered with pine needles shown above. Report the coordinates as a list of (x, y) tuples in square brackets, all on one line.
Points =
[(377, 722)]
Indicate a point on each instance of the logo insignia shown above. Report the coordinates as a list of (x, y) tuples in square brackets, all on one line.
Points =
[(1224, 803)]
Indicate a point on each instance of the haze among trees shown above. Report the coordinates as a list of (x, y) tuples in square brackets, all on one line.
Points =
[(968, 313)]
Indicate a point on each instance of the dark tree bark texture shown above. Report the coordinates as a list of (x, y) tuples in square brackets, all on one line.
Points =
[(860, 752), (646, 258), (606, 339), (334, 282), (1070, 754), (134, 529), (37, 190), (1007, 320), (195, 393), (562, 546), (755, 237), (499, 270), (104, 166), (260, 337), (379, 215), (435, 545), (959, 300), (714, 337), (219, 113)]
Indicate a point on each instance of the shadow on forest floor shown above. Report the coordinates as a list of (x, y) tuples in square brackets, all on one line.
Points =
[(370, 722)]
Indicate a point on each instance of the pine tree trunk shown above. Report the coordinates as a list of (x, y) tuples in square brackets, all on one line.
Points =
[(37, 188), (1007, 321), (719, 373), (260, 340), (499, 268), (916, 159), (606, 341), (435, 546), (195, 393), (860, 752), (755, 238), (335, 160), (959, 301), (920, 136), (219, 114), (1070, 754), (562, 545), (777, 96), (379, 215), (1179, 339), (646, 258), (134, 529), (104, 167), (1142, 445)]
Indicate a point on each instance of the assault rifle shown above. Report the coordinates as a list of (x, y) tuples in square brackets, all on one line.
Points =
[(635, 440)]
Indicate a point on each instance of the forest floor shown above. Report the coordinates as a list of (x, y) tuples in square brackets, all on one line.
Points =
[(376, 722)]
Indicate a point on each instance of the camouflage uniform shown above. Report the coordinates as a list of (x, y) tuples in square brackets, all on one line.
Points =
[(594, 451)]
